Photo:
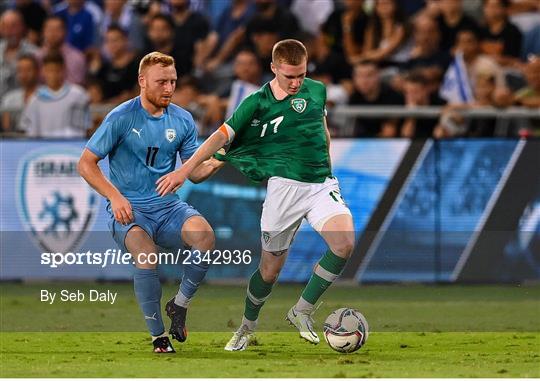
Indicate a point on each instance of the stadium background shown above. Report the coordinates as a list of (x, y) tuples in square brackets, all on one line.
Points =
[(425, 210), (432, 211)]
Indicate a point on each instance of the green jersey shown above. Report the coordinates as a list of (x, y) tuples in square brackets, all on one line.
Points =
[(283, 138)]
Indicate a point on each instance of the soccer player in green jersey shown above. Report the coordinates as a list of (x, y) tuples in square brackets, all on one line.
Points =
[(279, 133)]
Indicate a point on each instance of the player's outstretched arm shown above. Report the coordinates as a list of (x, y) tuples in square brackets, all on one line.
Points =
[(205, 170), (171, 182), (89, 170)]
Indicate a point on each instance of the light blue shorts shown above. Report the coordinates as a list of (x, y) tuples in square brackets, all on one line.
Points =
[(163, 223)]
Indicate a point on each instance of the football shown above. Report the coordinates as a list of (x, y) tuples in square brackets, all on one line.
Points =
[(346, 330)]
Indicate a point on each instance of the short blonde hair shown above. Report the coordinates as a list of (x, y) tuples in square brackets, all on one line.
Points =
[(155, 58), (291, 52)]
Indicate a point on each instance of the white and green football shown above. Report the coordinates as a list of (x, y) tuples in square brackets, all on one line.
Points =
[(346, 330)]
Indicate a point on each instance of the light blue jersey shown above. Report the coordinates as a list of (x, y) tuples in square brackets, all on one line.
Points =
[(142, 148)]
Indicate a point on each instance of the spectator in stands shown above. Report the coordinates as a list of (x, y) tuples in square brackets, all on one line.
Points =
[(473, 8), (94, 89), (414, 7), (79, 24), (121, 13), (34, 16), (345, 29), (161, 38), (54, 41), (194, 39), (231, 30), (206, 109), (525, 15), (461, 76), (248, 73), (524, 7), (263, 38), (529, 96), (468, 43), (425, 56), (267, 12), (337, 94), (323, 60), (12, 46), (233, 17), (385, 34), (452, 124), (416, 93), (500, 38), (146, 10), (311, 15), (58, 109), (531, 42), (185, 95), (484, 96), (325, 66), (370, 91), (118, 74), (16, 99), (426, 53), (451, 20)]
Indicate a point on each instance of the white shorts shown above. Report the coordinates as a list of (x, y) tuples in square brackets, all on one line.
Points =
[(289, 201)]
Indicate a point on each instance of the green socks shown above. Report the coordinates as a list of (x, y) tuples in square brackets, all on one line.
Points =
[(257, 293), (327, 271)]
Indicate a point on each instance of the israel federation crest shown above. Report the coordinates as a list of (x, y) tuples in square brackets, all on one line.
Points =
[(170, 134), (55, 204), (298, 105)]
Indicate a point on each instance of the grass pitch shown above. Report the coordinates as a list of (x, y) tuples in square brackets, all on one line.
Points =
[(416, 331)]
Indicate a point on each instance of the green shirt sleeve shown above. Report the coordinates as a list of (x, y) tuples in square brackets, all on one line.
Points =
[(244, 114)]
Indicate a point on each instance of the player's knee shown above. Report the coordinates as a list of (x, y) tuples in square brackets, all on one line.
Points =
[(201, 240), (137, 240), (269, 274), (141, 246), (205, 241), (344, 247)]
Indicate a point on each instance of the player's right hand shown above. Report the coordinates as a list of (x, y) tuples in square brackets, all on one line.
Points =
[(121, 209), (170, 182)]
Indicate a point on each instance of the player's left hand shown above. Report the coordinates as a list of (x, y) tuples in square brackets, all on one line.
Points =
[(170, 183)]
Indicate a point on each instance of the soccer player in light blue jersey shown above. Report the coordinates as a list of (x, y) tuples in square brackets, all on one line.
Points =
[(142, 138)]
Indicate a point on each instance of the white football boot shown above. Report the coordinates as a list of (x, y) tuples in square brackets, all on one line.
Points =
[(240, 340), (304, 323)]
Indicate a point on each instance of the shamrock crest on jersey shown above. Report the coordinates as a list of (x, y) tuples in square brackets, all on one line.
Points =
[(299, 105)]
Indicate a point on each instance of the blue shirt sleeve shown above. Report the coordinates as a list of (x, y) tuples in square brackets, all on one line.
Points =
[(104, 139), (189, 144)]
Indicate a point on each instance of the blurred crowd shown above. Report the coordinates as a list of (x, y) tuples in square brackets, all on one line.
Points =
[(58, 57)]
